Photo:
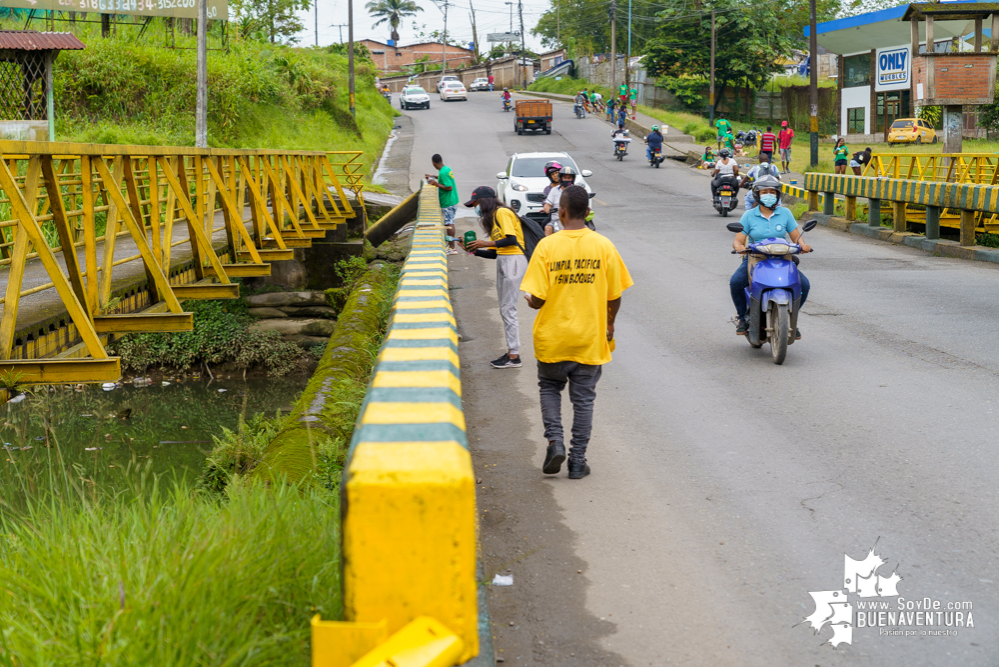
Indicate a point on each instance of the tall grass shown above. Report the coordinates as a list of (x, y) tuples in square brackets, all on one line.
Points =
[(131, 570)]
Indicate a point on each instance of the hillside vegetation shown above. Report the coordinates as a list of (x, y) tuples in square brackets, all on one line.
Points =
[(124, 90)]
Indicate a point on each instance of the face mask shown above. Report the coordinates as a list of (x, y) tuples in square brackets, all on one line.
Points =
[(478, 210), (768, 200)]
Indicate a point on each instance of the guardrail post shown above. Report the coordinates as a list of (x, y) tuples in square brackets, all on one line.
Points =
[(813, 200), (898, 216), (932, 222), (829, 203), (874, 212), (851, 208), (967, 228)]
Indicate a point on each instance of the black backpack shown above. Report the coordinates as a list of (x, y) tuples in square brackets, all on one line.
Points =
[(533, 233)]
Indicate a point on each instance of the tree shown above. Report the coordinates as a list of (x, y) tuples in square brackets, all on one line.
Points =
[(392, 12), (271, 20), (751, 39)]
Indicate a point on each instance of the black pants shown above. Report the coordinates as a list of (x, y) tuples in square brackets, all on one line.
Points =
[(717, 180), (766, 156)]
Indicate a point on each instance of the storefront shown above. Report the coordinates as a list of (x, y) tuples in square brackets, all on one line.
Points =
[(875, 75)]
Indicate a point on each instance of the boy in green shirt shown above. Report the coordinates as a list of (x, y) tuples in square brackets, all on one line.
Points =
[(724, 127), (447, 195)]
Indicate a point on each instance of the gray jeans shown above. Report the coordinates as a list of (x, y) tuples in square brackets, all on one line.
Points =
[(509, 274), (582, 379)]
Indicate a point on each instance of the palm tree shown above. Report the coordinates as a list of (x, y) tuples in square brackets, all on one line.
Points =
[(392, 12)]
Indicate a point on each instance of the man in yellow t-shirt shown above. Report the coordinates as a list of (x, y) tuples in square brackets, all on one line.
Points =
[(574, 279)]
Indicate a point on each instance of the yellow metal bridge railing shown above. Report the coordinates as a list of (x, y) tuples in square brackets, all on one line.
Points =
[(104, 200), (348, 166)]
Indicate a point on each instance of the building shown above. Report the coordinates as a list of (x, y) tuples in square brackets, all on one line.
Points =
[(551, 59), (394, 59), (875, 54)]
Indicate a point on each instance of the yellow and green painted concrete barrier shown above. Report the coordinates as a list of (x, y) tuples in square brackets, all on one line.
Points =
[(409, 531)]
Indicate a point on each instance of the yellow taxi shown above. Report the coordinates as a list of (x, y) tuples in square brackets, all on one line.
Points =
[(911, 131)]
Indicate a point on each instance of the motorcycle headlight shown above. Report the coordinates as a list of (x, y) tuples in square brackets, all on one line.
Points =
[(777, 249), (519, 187)]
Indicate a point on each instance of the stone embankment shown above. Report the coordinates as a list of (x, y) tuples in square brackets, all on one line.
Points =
[(304, 318)]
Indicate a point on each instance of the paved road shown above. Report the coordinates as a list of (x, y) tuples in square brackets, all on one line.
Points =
[(725, 488)]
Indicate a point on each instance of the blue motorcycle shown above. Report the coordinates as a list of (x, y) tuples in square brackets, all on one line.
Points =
[(774, 291)]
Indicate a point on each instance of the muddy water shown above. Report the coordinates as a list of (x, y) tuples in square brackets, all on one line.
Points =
[(169, 427)]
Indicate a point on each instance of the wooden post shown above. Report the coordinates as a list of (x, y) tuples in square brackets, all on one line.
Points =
[(967, 228), (898, 216), (851, 208)]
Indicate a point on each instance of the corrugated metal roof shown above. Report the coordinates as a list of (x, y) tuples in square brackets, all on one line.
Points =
[(32, 40)]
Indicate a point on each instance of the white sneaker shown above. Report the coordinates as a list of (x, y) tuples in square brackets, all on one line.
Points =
[(450, 251)]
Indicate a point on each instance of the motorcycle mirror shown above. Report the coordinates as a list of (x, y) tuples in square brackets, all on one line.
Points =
[(586, 173), (592, 195), (734, 227), (501, 175), (810, 225)]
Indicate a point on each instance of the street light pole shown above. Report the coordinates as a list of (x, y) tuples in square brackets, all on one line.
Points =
[(523, 44), (813, 86), (508, 47)]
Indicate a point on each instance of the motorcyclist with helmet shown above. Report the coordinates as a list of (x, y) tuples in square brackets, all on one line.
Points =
[(654, 141), (757, 171), (768, 220), (620, 135), (506, 97), (567, 177), (726, 168), (551, 171)]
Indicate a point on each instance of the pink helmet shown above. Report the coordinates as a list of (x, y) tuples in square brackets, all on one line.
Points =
[(552, 166)]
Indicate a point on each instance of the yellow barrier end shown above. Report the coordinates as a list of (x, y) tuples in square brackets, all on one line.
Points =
[(424, 642), (341, 644)]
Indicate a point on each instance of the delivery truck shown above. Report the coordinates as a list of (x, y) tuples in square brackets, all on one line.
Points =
[(533, 115)]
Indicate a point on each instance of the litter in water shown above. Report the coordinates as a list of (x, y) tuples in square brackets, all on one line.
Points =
[(108, 386), (503, 580), (18, 398), (223, 390), (91, 449), (164, 384)]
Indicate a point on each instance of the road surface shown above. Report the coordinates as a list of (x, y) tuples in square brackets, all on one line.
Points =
[(725, 488)]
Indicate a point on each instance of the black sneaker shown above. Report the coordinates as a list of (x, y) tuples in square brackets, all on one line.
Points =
[(506, 362), (797, 334), (741, 328), (578, 470), (554, 458)]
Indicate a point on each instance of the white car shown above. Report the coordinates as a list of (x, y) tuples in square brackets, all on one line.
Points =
[(414, 96), (453, 90), (482, 83), (522, 185), (445, 79)]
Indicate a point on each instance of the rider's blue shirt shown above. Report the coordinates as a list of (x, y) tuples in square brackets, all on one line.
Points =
[(655, 141), (756, 227)]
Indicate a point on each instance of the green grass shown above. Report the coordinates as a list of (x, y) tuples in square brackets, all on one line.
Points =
[(130, 570)]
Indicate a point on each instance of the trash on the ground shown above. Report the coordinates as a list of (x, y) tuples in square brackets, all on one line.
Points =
[(25, 448), (223, 390), (91, 449), (503, 580), (185, 427), (107, 436), (108, 386), (18, 398), (39, 438), (164, 384)]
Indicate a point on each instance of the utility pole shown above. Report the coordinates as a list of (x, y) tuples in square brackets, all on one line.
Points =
[(813, 86), (444, 44), (711, 93), (627, 60), (475, 34), (558, 22), (613, 55), (315, 4), (341, 26), (509, 48), (350, 55), (201, 105), (523, 44)]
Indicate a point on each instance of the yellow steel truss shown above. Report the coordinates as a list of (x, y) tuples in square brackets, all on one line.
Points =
[(60, 196)]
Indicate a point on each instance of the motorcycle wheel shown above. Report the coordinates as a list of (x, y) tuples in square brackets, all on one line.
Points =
[(657, 164), (779, 325), (724, 212), (620, 157)]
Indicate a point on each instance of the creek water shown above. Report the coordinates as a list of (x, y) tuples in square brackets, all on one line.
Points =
[(169, 428)]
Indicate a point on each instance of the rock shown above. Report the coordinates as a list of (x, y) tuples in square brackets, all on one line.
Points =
[(309, 311), (279, 299), (290, 326), (307, 342), (266, 313)]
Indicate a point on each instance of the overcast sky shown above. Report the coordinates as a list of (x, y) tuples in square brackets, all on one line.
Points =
[(490, 16)]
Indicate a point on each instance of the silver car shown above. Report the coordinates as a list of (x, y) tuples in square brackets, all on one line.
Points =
[(482, 83)]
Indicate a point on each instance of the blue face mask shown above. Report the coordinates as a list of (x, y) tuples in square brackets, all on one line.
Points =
[(478, 210), (768, 200)]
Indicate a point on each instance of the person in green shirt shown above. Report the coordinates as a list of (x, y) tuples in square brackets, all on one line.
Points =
[(729, 140), (841, 155), (724, 127), (633, 95), (622, 92), (447, 195)]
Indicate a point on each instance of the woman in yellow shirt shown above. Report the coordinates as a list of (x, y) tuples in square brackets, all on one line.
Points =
[(506, 246)]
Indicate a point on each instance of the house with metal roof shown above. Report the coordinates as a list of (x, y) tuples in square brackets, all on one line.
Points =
[(875, 50)]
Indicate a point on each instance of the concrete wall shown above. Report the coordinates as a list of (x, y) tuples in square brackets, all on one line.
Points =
[(852, 98), (506, 73), (24, 130)]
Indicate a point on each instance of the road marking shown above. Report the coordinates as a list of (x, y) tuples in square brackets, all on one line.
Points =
[(600, 202)]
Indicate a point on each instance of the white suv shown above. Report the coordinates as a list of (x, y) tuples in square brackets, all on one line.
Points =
[(482, 83), (453, 90), (414, 96), (522, 185)]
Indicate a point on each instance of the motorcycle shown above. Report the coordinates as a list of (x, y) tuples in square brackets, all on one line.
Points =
[(657, 157), (621, 147), (578, 109), (387, 95), (506, 104), (774, 291), (726, 199)]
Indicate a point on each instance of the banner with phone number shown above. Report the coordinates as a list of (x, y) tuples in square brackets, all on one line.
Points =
[(187, 9)]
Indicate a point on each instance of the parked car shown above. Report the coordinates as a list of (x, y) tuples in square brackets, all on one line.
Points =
[(414, 96), (445, 79), (453, 90), (521, 186), (482, 83), (911, 131)]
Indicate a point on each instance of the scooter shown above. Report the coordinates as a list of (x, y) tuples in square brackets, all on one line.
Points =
[(774, 292), (657, 157), (726, 199), (506, 104), (579, 111), (621, 147)]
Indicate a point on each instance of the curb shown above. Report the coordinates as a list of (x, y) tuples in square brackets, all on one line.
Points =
[(937, 247)]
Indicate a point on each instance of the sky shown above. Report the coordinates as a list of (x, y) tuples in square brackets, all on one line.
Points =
[(490, 16)]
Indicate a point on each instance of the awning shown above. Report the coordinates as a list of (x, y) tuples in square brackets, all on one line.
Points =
[(883, 28)]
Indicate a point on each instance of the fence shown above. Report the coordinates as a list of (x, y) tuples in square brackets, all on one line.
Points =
[(409, 533), (105, 200)]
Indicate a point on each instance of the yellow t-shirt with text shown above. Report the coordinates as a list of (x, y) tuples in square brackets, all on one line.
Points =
[(507, 223), (576, 272)]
